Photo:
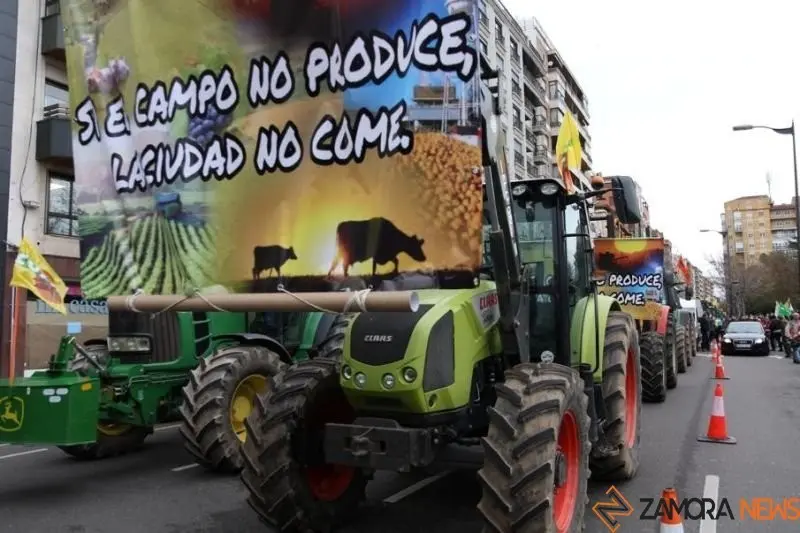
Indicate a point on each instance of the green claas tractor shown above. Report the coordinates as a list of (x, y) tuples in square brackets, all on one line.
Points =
[(104, 397), (532, 364)]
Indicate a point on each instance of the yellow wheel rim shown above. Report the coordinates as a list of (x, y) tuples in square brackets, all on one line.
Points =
[(113, 430), (244, 398)]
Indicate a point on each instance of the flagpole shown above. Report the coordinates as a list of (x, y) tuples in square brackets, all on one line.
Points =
[(12, 361)]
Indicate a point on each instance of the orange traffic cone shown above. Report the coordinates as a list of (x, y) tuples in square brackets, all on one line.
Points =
[(719, 369), (671, 521), (717, 425)]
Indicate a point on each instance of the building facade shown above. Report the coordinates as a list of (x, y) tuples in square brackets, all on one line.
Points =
[(536, 89), (40, 191)]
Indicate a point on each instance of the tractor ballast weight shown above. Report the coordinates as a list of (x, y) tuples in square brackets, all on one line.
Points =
[(104, 397)]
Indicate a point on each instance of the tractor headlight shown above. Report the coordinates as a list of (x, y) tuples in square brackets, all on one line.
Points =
[(388, 381), (548, 189), (409, 374), (347, 372), (128, 344), (519, 190), (360, 380)]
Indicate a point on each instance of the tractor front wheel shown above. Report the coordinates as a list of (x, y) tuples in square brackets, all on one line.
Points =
[(290, 486), (622, 396), (681, 352), (671, 352), (112, 438), (654, 377), (536, 460), (220, 395)]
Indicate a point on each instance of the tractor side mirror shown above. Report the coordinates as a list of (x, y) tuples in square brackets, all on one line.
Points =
[(626, 199)]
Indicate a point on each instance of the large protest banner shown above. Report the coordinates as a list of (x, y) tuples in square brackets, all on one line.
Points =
[(235, 141), (632, 272)]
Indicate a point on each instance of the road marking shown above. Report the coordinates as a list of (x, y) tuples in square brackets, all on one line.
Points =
[(185, 467), (4, 445), (778, 356), (164, 428), (710, 491), (419, 485), (20, 454)]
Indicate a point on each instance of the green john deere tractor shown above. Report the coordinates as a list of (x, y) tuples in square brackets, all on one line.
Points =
[(103, 398), (531, 363)]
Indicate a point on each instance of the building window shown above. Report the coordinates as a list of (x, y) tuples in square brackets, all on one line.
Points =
[(55, 93), (62, 216)]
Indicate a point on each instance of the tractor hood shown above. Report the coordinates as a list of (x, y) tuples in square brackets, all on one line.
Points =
[(383, 338)]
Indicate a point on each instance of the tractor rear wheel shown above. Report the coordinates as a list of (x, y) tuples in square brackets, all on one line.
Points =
[(654, 378), (290, 486), (112, 438), (220, 395), (671, 352), (536, 460), (681, 354), (622, 395)]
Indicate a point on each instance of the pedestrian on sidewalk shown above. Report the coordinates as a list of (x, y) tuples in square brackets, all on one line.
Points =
[(776, 326), (705, 333), (792, 335)]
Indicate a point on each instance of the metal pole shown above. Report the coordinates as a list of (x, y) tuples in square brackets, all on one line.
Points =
[(796, 204)]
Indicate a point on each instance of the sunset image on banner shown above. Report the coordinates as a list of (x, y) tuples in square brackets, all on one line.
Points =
[(256, 148), (633, 274)]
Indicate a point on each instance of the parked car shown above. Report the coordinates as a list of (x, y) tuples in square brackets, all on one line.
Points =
[(745, 337)]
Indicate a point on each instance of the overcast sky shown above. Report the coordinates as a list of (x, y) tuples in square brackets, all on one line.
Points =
[(666, 81)]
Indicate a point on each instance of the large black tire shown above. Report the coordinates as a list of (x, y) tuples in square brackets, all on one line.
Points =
[(112, 440), (286, 438), (654, 378), (521, 450), (689, 346), (621, 361), (681, 351), (208, 399), (671, 342)]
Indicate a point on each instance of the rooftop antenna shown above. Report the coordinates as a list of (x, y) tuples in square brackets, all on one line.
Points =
[(769, 187)]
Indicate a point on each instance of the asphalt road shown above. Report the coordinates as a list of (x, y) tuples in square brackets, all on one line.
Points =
[(159, 490)]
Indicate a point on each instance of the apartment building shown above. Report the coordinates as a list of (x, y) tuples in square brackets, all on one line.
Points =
[(563, 91), (747, 229), (536, 88), (783, 226), (702, 284), (40, 190), (754, 225)]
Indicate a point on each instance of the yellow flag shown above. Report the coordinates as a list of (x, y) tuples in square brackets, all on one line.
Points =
[(568, 149), (32, 272)]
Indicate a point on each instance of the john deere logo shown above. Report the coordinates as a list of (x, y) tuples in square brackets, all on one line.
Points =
[(12, 413)]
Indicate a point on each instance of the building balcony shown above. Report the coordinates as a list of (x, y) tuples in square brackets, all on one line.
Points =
[(54, 136), (541, 155), (539, 125), (53, 32)]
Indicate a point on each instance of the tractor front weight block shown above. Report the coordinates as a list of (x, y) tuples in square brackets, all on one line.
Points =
[(379, 444), (53, 408)]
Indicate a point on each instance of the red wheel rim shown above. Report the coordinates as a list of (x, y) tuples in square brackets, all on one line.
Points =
[(566, 496), (328, 483), (631, 400)]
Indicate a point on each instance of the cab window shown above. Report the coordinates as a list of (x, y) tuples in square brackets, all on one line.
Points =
[(577, 247)]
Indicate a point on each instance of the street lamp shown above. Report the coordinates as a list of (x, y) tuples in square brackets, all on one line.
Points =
[(786, 131)]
